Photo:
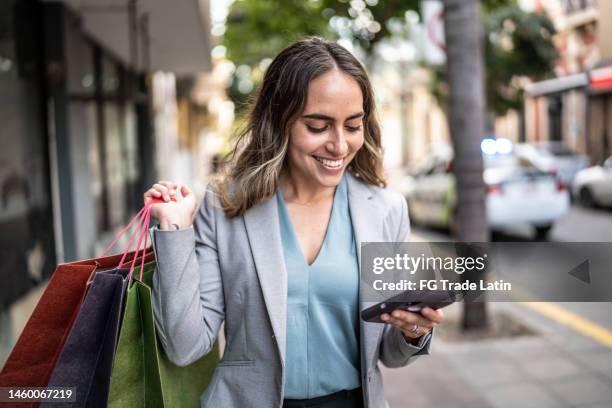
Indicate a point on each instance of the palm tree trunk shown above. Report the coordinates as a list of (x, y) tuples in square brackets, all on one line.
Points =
[(466, 113)]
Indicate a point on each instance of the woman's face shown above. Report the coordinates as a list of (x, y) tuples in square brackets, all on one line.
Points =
[(329, 132)]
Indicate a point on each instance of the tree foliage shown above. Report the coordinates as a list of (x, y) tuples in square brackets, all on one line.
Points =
[(517, 45), (258, 29)]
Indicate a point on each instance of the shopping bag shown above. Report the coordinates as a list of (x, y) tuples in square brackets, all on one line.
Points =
[(85, 361), (86, 358), (142, 375), (35, 353)]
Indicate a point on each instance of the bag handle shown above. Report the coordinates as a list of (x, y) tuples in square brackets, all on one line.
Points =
[(143, 217), (138, 229), (144, 229), (112, 245)]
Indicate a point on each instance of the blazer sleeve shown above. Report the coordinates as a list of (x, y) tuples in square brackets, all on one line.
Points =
[(395, 351), (187, 293)]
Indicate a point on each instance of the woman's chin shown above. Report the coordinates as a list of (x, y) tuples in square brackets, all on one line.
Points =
[(330, 180)]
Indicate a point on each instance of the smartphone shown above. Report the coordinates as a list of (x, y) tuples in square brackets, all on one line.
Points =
[(412, 301)]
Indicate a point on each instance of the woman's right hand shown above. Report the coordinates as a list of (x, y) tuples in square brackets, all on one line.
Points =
[(171, 213)]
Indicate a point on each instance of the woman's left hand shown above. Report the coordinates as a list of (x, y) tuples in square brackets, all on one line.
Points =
[(414, 325)]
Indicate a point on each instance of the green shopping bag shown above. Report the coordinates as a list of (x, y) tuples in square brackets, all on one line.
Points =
[(142, 375)]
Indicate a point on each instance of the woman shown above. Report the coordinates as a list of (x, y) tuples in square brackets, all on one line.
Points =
[(273, 251)]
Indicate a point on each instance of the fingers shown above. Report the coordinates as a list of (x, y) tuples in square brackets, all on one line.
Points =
[(170, 185), (151, 194), (434, 315), (185, 191), (406, 322), (167, 190)]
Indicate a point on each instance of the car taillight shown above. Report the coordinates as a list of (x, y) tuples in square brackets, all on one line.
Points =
[(448, 166), (494, 189), (561, 185)]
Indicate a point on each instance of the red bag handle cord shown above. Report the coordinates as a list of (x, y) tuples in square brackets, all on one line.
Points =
[(112, 245), (143, 233), (138, 229)]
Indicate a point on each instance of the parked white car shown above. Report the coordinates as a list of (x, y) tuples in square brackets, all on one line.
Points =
[(517, 194), (593, 186), (554, 157)]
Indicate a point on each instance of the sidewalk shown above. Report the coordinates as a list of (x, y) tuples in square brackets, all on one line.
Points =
[(556, 368)]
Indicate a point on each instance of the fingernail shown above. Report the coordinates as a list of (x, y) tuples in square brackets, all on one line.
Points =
[(396, 314)]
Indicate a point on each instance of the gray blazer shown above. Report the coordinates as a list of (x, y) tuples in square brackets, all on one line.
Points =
[(233, 270)]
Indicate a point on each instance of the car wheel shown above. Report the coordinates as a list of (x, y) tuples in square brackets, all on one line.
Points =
[(542, 232), (586, 197)]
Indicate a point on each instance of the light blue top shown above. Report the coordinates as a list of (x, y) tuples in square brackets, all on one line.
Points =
[(322, 349)]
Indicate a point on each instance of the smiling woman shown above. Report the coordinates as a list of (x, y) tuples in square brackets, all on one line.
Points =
[(274, 247), (316, 100)]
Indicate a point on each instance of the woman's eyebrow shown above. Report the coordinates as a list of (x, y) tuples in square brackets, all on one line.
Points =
[(321, 116)]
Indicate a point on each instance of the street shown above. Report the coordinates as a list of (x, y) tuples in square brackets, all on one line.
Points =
[(579, 225), (565, 360)]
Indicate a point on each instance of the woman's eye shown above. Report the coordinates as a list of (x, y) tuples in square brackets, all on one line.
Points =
[(353, 128), (316, 129)]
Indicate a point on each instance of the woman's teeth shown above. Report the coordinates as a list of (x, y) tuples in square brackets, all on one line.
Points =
[(329, 163)]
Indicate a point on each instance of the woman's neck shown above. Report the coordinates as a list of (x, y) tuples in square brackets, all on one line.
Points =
[(298, 190)]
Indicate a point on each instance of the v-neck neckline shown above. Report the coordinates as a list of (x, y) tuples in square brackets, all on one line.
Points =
[(291, 227)]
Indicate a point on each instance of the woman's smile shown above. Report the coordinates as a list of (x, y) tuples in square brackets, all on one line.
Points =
[(329, 164)]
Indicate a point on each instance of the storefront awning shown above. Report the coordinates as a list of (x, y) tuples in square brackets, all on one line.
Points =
[(556, 85), (600, 79), (172, 36)]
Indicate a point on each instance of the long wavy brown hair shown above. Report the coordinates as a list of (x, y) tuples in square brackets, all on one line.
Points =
[(251, 171)]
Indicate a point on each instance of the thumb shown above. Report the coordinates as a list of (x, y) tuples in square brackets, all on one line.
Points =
[(185, 191)]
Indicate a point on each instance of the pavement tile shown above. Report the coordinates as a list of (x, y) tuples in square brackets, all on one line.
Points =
[(521, 395), (584, 389), (429, 382), (530, 351), (485, 373), (551, 368), (598, 360), (572, 341), (604, 405)]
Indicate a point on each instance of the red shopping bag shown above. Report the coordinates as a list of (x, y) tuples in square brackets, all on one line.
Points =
[(33, 358)]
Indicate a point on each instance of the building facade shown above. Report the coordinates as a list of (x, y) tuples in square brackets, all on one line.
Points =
[(576, 107), (78, 141)]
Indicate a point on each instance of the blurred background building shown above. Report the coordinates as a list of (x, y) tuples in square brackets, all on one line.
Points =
[(576, 107), (98, 98)]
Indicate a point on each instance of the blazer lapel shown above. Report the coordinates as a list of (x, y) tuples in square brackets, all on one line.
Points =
[(263, 232), (367, 227)]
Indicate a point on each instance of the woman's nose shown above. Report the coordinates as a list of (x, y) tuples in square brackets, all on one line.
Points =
[(338, 145)]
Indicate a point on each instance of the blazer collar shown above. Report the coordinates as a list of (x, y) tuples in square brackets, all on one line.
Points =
[(263, 230)]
